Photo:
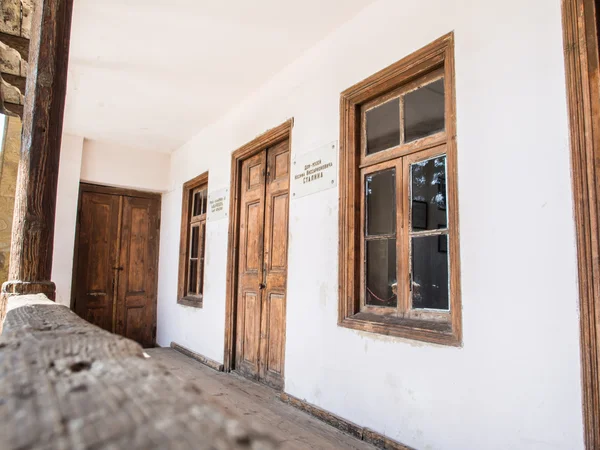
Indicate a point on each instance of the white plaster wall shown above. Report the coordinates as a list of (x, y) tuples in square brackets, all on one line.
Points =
[(98, 163), (114, 165), (515, 383), (66, 215)]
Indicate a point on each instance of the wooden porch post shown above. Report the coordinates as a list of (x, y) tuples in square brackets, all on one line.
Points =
[(35, 202)]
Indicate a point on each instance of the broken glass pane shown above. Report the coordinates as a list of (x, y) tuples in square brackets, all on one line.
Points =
[(381, 273), (380, 198)]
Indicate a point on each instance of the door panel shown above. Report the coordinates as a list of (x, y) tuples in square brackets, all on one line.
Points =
[(252, 211), (279, 234), (251, 327), (115, 271), (276, 332), (275, 257), (97, 251), (138, 259), (262, 265)]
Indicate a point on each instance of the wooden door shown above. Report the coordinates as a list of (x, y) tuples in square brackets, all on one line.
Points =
[(262, 265), (115, 271), (94, 290), (137, 271)]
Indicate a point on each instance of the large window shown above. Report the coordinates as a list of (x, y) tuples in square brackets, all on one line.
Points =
[(399, 262), (192, 245)]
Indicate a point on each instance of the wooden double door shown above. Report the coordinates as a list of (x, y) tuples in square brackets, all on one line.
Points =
[(116, 261), (262, 265)]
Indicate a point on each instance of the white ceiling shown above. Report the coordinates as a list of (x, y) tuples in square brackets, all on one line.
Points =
[(149, 74)]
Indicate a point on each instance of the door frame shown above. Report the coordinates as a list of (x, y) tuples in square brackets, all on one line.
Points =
[(97, 188), (267, 139), (580, 40)]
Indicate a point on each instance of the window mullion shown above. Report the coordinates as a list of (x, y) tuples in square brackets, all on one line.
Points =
[(362, 241), (381, 237), (201, 239), (401, 106), (402, 243)]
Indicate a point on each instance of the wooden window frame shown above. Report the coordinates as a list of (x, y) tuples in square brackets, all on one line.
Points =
[(187, 223), (434, 61), (580, 37)]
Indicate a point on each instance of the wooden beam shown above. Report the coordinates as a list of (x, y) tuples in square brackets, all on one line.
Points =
[(20, 44), (69, 384), (14, 109), (35, 202), (15, 80)]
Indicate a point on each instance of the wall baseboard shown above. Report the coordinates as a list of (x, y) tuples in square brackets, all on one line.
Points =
[(362, 433), (198, 357)]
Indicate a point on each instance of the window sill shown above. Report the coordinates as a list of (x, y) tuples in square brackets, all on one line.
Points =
[(419, 330), (194, 302)]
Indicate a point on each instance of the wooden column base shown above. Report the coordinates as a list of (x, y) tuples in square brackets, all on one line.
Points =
[(48, 288)]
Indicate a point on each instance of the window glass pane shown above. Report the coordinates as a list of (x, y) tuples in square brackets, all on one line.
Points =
[(193, 276), (383, 126), (194, 244), (201, 265), (380, 198), (424, 111), (430, 272), (204, 200), (381, 273), (428, 194), (197, 204)]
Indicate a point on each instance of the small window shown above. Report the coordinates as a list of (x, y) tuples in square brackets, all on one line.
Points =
[(399, 220), (193, 241)]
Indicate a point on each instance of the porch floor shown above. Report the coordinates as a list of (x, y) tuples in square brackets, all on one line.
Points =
[(292, 428)]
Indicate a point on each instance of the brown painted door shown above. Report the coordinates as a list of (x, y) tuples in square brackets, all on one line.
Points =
[(115, 274), (96, 254), (138, 256), (262, 265)]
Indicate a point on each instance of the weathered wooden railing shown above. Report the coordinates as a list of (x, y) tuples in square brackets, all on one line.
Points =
[(66, 384)]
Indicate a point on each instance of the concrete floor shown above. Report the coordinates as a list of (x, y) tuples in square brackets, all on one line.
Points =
[(292, 428)]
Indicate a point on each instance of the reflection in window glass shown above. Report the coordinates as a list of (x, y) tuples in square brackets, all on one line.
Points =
[(200, 199), (430, 272), (380, 196), (194, 245), (381, 273), (204, 200), (201, 266), (424, 111), (193, 277), (383, 126), (428, 194), (197, 204)]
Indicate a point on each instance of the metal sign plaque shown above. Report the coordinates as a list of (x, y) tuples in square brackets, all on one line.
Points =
[(218, 204), (315, 171)]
